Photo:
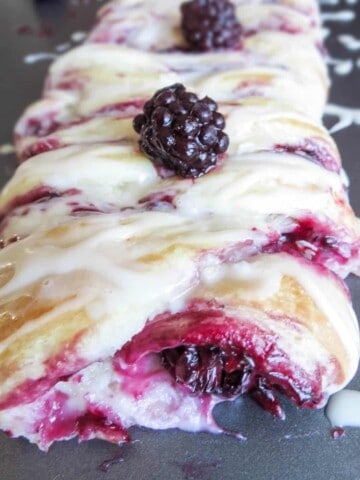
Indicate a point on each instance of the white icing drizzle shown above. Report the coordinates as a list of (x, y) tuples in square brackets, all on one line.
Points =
[(343, 409), (342, 16), (75, 38), (297, 436), (78, 37), (349, 41), (62, 47), (39, 57), (325, 33), (261, 183), (346, 116), (341, 66), (337, 2), (6, 149)]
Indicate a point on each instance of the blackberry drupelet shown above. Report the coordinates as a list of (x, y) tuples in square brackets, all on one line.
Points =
[(210, 24), (180, 132), (225, 371), (211, 369)]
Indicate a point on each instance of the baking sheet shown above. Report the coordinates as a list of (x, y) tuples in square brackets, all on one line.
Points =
[(300, 447)]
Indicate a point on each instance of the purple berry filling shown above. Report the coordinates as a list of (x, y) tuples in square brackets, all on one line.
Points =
[(42, 146), (47, 126), (221, 371), (316, 242), (208, 352), (314, 150), (41, 127)]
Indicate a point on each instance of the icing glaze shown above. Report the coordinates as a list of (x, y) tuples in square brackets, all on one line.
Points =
[(6, 149), (341, 66), (134, 260), (343, 409), (39, 57), (350, 42), (341, 16), (346, 116)]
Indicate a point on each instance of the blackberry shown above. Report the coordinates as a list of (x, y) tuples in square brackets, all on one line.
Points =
[(180, 132), (210, 369), (210, 24)]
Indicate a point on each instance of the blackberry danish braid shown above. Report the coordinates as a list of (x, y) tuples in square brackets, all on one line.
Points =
[(155, 262)]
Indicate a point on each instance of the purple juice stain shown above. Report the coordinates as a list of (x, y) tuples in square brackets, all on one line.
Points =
[(117, 458), (43, 31), (337, 433), (24, 30), (107, 464), (197, 470)]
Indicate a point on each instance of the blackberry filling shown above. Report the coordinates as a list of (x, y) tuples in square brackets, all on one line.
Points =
[(313, 150), (180, 132), (210, 24), (226, 372), (316, 242)]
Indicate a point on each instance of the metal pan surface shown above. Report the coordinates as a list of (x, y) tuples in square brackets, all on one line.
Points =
[(300, 448)]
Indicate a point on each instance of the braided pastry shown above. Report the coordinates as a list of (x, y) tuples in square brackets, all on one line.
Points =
[(132, 296)]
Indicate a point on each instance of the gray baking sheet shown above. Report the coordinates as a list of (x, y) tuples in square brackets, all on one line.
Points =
[(299, 448)]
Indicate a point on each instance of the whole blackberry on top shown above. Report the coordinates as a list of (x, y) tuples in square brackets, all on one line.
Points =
[(180, 132), (210, 24)]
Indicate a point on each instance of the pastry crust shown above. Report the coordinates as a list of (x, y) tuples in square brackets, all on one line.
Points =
[(272, 92), (111, 269), (69, 298)]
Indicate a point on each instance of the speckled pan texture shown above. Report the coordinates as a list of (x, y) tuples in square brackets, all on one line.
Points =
[(300, 447)]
